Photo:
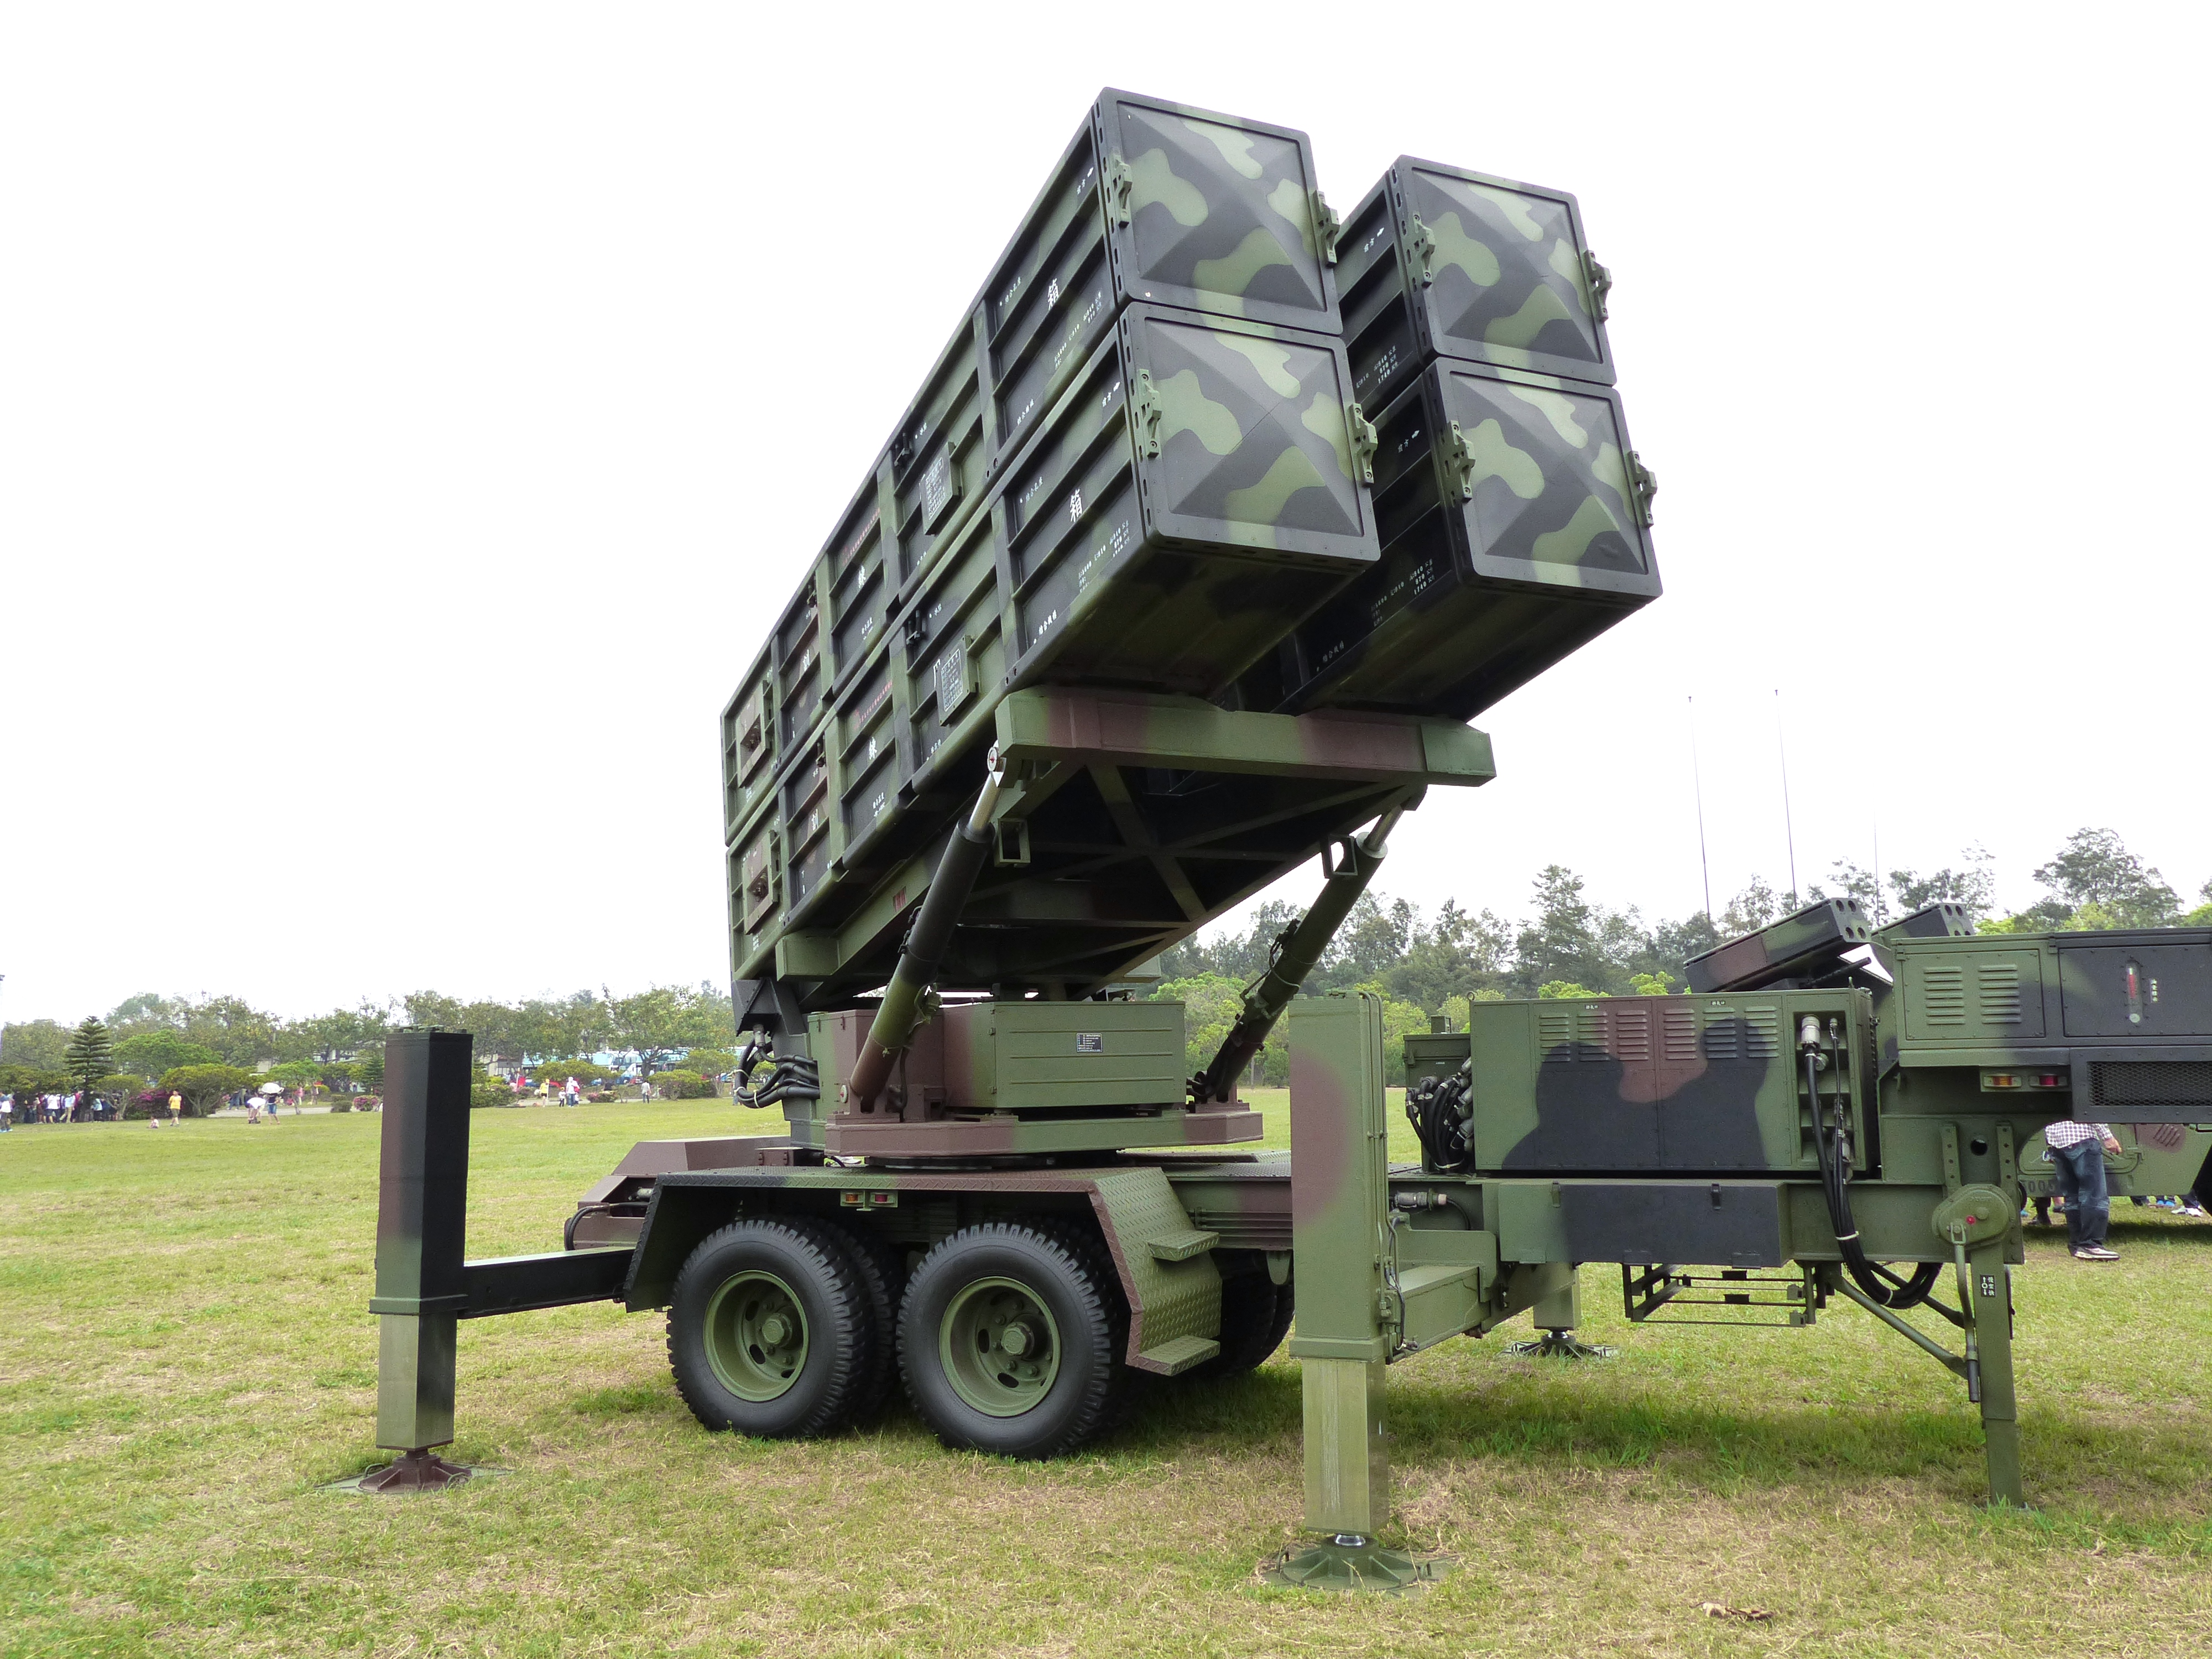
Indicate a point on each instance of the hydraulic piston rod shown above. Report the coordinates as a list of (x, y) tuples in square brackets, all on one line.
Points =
[(1296, 954), (926, 942)]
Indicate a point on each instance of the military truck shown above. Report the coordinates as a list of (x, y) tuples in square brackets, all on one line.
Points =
[(1120, 631), (2155, 1160)]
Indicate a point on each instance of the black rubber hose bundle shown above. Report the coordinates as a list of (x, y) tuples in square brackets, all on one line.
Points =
[(1880, 1283), (1436, 1108)]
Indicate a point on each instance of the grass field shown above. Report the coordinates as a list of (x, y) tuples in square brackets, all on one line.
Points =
[(185, 1359)]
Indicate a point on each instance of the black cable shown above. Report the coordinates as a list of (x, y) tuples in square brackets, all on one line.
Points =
[(1436, 1107), (1881, 1286)]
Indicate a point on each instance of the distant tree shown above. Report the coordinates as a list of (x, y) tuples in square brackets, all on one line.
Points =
[(1660, 984), (1562, 941), (368, 1069), (1973, 883), (1562, 990), (39, 1043), (20, 1080), (1211, 1004), (239, 1034), (1372, 941), (1676, 942), (432, 1008), (2094, 868), (91, 1052), (1453, 957), (147, 1012), (205, 1086), (1750, 910), (150, 1053), (117, 1087), (657, 1022), (296, 1073)]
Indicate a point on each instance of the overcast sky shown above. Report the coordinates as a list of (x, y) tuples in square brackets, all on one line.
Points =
[(412, 418)]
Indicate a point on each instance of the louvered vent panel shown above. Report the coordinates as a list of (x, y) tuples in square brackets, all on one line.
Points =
[(1555, 1031), (1589, 1026), (1723, 1035), (1678, 1034), (1999, 983), (1762, 1038), (1632, 1033), (1943, 993)]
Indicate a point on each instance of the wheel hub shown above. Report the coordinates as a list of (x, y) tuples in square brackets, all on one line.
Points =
[(756, 1336), (1000, 1346)]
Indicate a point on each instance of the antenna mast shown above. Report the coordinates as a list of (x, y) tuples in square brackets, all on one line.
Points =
[(1789, 832), (1697, 783)]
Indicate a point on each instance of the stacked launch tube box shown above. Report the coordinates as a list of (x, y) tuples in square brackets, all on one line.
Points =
[(1156, 456), (1515, 518), (1136, 465)]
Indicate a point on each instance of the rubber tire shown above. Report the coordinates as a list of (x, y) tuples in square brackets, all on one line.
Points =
[(831, 1292), (881, 1269), (1247, 1332), (1066, 1272)]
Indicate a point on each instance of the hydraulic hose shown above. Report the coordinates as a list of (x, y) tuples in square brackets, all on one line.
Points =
[(1880, 1283), (1436, 1108)]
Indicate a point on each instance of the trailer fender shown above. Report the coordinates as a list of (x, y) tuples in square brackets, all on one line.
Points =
[(1166, 1268)]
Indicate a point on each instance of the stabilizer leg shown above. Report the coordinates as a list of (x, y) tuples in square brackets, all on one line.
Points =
[(1992, 1313)]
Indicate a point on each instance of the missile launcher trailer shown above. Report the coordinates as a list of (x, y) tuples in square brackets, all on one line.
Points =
[(1135, 614)]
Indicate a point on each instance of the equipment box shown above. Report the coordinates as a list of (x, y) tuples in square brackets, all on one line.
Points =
[(1516, 525), (979, 1058), (1199, 489), (1439, 261), (1686, 1085)]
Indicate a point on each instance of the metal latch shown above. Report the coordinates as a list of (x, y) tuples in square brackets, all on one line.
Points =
[(1365, 443), (1118, 181), (1643, 485), (1327, 227), (1459, 455), (1600, 280), (1421, 248), (1147, 410)]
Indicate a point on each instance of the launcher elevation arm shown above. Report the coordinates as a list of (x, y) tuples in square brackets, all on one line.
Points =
[(1296, 956), (900, 1010)]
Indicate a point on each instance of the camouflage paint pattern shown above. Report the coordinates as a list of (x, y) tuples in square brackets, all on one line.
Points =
[(1193, 493), (1441, 262), (1516, 527), (1339, 1186)]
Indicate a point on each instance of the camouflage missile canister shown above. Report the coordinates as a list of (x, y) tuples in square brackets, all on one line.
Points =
[(1198, 488), (1515, 516), (1516, 522), (1438, 262), (1150, 202)]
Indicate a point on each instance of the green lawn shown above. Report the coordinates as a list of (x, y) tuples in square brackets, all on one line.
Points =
[(185, 1359)]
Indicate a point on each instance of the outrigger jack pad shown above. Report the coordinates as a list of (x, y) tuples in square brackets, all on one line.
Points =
[(414, 1471), (1560, 1345), (1348, 1561)]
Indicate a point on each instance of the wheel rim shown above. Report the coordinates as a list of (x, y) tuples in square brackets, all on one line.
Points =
[(999, 1347), (756, 1336)]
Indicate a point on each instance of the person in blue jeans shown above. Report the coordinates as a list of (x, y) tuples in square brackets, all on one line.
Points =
[(2077, 1158)]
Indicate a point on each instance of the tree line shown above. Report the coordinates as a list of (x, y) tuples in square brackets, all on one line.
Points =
[(1425, 965), (211, 1047)]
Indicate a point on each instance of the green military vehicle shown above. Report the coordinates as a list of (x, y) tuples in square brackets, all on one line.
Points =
[(2155, 1160), (1135, 614)]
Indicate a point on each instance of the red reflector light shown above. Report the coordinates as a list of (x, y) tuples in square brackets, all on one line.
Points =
[(2049, 1079)]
